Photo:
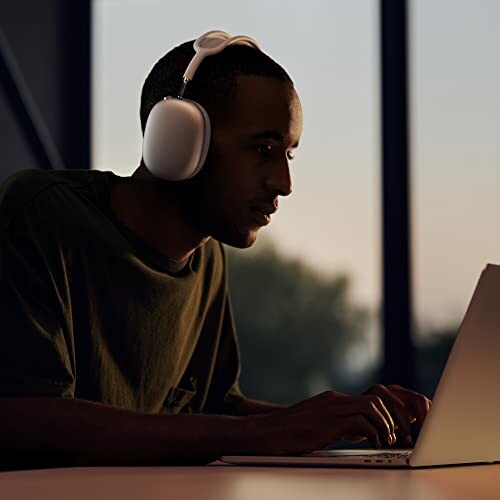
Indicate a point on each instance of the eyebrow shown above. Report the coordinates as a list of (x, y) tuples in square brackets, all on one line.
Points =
[(272, 134)]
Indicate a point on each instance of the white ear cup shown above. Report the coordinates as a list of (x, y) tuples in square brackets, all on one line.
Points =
[(177, 132), (176, 139)]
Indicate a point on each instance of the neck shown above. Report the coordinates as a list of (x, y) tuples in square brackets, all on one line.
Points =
[(156, 212)]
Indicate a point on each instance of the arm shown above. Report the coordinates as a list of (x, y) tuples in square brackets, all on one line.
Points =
[(248, 406), (70, 431)]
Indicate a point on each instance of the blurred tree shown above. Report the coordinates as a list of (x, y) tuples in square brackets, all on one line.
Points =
[(294, 324)]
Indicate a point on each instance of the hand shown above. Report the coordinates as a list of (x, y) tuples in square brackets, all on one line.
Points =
[(405, 407), (331, 416)]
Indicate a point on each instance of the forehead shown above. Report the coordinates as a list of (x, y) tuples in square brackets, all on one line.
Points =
[(265, 103)]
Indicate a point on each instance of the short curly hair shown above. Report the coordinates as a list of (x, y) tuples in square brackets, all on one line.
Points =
[(214, 82)]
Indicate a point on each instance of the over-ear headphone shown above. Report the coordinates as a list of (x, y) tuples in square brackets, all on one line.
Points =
[(178, 130)]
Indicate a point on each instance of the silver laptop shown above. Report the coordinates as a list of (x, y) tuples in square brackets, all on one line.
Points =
[(463, 425)]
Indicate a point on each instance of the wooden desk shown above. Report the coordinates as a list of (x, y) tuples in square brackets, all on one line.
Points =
[(226, 482)]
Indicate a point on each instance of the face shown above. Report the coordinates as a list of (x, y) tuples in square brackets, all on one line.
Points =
[(248, 165)]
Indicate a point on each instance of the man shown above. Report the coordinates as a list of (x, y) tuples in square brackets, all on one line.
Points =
[(118, 344)]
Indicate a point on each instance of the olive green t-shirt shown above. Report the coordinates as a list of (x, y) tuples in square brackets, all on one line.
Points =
[(89, 310)]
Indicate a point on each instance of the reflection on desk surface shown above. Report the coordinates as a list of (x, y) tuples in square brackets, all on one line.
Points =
[(225, 482)]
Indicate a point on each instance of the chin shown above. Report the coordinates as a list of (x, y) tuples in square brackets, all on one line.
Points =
[(237, 239)]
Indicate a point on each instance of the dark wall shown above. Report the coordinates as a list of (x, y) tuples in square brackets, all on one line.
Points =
[(44, 84)]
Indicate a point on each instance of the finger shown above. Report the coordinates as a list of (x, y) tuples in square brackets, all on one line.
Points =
[(353, 439), (358, 425), (368, 407), (371, 411), (416, 402), (400, 412), (383, 408)]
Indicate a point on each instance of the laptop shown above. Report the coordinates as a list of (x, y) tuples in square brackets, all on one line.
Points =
[(463, 424)]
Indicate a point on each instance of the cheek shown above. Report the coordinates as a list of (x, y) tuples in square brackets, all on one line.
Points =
[(230, 181)]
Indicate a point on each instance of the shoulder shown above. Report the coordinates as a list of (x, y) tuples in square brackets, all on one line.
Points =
[(213, 262), (214, 252), (33, 190)]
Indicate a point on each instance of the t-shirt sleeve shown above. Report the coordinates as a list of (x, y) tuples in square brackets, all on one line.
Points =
[(230, 353), (37, 348), (225, 389)]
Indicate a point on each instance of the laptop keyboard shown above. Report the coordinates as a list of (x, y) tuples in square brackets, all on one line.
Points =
[(399, 454), (384, 454)]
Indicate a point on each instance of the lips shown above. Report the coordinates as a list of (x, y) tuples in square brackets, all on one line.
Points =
[(260, 218), (262, 213), (267, 209)]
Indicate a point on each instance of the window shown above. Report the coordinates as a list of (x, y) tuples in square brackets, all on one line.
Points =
[(456, 156)]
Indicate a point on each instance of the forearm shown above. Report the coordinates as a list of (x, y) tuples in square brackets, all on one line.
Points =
[(70, 431), (248, 406)]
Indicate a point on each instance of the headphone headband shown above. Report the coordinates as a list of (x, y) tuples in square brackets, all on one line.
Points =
[(208, 44)]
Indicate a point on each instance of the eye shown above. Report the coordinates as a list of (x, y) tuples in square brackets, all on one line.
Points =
[(263, 149), (266, 150)]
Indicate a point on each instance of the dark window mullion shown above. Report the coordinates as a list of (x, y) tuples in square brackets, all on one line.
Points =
[(396, 295)]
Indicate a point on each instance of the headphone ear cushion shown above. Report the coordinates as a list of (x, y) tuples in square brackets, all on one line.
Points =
[(176, 139)]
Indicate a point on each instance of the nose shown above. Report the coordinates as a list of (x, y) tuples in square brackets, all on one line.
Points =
[(279, 180)]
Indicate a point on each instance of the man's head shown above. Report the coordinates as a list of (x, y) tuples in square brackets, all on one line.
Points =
[(256, 123)]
